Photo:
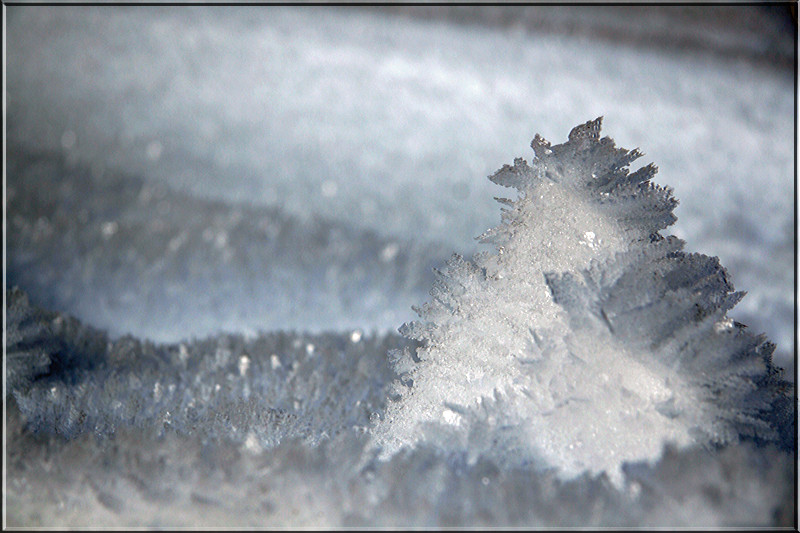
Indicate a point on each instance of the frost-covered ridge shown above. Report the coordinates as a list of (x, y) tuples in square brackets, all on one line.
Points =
[(69, 379), (587, 339)]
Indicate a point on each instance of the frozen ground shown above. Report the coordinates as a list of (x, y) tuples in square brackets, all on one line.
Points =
[(175, 173)]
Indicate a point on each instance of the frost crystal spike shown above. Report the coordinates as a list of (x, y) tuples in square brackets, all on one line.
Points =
[(587, 339)]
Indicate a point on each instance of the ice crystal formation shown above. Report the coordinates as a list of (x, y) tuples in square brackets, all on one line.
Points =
[(579, 375), (587, 339), (69, 379)]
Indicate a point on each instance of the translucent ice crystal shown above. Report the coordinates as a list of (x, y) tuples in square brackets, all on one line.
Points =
[(587, 339)]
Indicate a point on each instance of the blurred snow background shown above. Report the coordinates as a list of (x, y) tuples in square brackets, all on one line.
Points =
[(383, 123), (177, 172)]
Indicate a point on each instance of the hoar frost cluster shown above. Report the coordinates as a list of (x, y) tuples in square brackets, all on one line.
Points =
[(587, 339), (577, 375)]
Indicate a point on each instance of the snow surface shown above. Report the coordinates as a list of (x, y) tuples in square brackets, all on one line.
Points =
[(235, 175)]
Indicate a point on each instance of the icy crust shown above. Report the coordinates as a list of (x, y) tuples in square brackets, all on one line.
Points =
[(100, 452), (586, 340), (251, 391), (147, 478)]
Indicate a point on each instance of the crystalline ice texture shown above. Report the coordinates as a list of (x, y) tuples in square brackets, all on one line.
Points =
[(587, 337)]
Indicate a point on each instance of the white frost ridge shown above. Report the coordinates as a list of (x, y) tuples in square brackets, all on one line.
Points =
[(586, 339)]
